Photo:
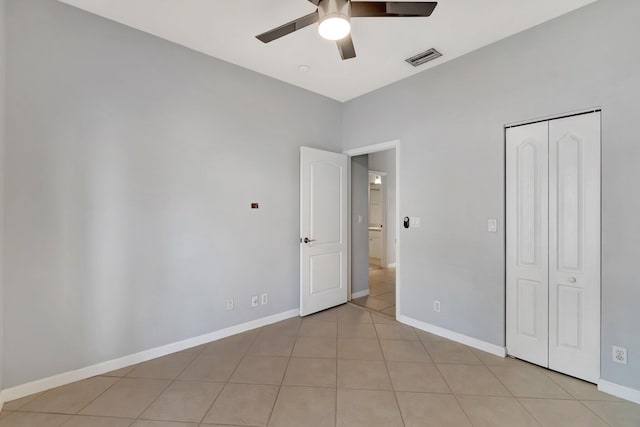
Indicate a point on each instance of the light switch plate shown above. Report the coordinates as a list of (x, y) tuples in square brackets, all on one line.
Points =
[(360, 219), (415, 222), (492, 225)]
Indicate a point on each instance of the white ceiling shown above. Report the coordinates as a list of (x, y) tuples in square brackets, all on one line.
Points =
[(227, 29)]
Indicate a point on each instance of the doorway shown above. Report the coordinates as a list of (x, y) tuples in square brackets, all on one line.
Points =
[(374, 183)]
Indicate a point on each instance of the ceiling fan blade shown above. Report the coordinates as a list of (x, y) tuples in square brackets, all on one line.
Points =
[(361, 9), (346, 48), (288, 28)]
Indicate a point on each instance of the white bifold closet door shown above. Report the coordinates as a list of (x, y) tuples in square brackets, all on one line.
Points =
[(553, 244)]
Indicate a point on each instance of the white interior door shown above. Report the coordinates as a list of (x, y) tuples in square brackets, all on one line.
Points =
[(574, 250), (323, 230), (527, 242)]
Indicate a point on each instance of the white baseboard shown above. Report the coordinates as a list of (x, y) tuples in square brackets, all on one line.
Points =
[(454, 336), (360, 294), (620, 391), (392, 265), (38, 386)]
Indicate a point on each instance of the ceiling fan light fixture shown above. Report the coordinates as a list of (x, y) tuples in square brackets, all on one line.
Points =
[(334, 27), (335, 19)]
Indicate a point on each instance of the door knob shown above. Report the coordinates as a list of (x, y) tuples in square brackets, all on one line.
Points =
[(572, 280), (308, 240)]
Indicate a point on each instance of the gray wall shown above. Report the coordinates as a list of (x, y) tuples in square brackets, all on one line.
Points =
[(131, 163), (450, 122), (385, 161), (359, 230)]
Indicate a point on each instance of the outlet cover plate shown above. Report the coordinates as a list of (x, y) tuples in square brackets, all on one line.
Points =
[(619, 354)]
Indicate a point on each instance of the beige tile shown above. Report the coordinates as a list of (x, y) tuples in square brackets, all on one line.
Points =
[(349, 314), (186, 401), (377, 318), (287, 327), (382, 288), (404, 351), (390, 311), (315, 347), (330, 315), (579, 389), (472, 379), (363, 374), (122, 372), (493, 360), (16, 404), (428, 338), (311, 372), (71, 398), (236, 345), (356, 330), (618, 414), (260, 370), (561, 413), (127, 398), (211, 366), (149, 423), (89, 421), (5, 414), (304, 406), (166, 367), (243, 404), (396, 332), (372, 303), (359, 348), (417, 377), (31, 419), (371, 408), (490, 411), (431, 410), (388, 297), (528, 382), (316, 328), (273, 345), (451, 352)]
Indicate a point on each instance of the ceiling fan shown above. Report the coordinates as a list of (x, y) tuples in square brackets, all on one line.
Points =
[(335, 16)]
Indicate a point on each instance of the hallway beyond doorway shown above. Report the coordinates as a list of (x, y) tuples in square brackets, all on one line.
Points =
[(382, 291)]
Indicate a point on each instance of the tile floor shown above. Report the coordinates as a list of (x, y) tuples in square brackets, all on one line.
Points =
[(382, 291), (342, 367)]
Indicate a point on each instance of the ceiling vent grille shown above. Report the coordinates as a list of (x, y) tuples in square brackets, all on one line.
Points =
[(423, 57)]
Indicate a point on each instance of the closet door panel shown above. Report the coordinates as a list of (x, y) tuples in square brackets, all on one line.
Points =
[(527, 242), (574, 246)]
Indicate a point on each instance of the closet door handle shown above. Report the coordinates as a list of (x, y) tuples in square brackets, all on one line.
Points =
[(572, 280)]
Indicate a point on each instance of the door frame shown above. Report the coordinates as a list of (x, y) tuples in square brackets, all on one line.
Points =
[(383, 232), (597, 109), (369, 149)]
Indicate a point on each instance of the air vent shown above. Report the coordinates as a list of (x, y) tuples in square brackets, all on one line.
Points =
[(423, 57)]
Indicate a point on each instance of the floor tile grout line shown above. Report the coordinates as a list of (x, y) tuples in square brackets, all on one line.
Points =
[(227, 381), (594, 413), (175, 379), (395, 395)]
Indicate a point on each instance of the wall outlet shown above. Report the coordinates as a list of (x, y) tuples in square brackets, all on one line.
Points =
[(415, 222), (619, 354), (436, 306), (492, 225), (230, 304), (264, 299), (254, 301)]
